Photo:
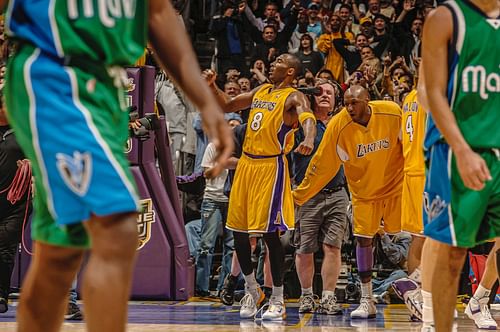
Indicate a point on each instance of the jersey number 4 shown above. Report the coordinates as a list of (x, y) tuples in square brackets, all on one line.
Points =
[(409, 127)]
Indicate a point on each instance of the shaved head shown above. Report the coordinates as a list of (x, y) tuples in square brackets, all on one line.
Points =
[(293, 62), (356, 100), (358, 92)]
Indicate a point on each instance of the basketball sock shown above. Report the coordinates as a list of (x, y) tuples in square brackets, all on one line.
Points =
[(278, 293), (427, 314), (481, 292), (250, 282), (327, 293), (307, 291), (416, 275), (366, 289)]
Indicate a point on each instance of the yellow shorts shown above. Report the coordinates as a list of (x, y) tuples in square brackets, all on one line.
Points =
[(412, 205), (370, 215), (261, 196)]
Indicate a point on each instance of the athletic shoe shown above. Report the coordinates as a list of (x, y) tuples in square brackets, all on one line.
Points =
[(403, 285), (414, 302), (73, 312), (366, 309), (307, 304), (275, 311), (249, 304), (329, 306), (227, 291), (3, 305), (478, 311)]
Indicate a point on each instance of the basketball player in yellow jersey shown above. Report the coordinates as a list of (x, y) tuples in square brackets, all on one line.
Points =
[(365, 137), (261, 198), (413, 133)]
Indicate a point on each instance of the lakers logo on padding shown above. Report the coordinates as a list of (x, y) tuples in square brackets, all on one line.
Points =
[(144, 220), (76, 171)]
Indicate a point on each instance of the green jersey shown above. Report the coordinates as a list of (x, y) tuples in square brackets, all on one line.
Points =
[(474, 74), (109, 32)]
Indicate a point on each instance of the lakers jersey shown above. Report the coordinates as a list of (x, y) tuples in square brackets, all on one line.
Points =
[(372, 155), (110, 32), (267, 134), (413, 135)]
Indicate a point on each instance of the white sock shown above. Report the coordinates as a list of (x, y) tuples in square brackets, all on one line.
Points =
[(327, 293), (307, 291), (416, 275), (278, 293), (366, 289), (250, 282), (427, 315), (481, 292)]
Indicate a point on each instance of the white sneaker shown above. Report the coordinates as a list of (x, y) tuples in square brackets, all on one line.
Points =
[(275, 311), (307, 304), (366, 309), (329, 306), (249, 303), (478, 311), (414, 303)]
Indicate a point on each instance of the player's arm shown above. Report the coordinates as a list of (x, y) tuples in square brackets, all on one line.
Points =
[(228, 104), (175, 53), (323, 166), (298, 103), (438, 31)]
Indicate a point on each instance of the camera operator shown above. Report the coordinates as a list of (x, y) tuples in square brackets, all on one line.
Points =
[(12, 213), (322, 220)]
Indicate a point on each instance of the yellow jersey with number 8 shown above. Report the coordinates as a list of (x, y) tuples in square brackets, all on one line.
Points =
[(267, 135)]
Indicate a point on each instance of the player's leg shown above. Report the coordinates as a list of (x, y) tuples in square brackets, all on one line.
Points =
[(44, 296), (108, 275), (253, 294), (276, 310), (477, 309), (415, 253), (367, 217), (444, 280)]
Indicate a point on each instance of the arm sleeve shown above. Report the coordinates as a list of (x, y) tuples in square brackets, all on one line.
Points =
[(323, 166)]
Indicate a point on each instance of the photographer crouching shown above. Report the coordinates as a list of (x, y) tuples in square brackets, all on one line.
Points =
[(15, 185)]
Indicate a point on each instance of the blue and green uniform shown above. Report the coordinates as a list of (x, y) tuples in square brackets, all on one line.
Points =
[(65, 100), (453, 213)]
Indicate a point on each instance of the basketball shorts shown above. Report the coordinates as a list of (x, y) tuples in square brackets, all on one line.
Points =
[(72, 126), (261, 196), (454, 214), (412, 204), (369, 216)]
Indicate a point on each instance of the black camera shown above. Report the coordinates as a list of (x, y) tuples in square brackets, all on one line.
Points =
[(149, 122)]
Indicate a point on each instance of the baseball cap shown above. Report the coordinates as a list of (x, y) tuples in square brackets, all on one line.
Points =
[(313, 5), (364, 20)]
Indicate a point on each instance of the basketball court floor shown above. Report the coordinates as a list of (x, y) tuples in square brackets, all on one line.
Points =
[(203, 316)]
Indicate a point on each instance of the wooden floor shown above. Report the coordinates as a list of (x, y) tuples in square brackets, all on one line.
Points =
[(202, 316)]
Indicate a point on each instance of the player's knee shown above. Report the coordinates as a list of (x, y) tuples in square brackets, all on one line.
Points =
[(456, 257), (116, 237)]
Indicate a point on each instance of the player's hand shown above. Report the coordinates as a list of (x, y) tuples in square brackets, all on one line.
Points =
[(472, 169), (209, 76), (305, 147), (219, 133)]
